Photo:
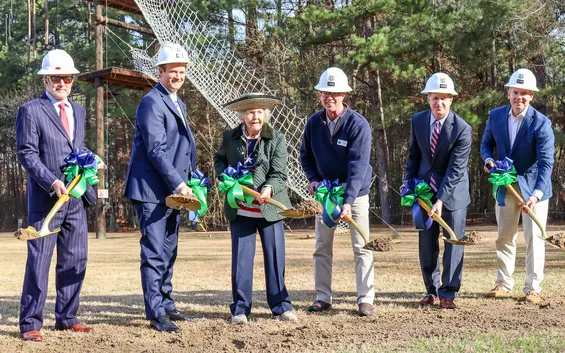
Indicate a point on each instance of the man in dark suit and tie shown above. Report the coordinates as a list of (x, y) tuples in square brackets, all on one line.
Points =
[(48, 129), (523, 134), (440, 143), (163, 157)]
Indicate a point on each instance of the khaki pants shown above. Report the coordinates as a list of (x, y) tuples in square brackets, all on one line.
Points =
[(507, 218), (364, 265)]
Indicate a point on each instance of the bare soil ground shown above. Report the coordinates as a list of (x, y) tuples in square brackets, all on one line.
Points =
[(111, 302)]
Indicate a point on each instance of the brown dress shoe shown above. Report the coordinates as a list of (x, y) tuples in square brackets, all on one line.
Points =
[(318, 306), (78, 327), (497, 292), (447, 304), (429, 300), (533, 297), (365, 309), (33, 335)]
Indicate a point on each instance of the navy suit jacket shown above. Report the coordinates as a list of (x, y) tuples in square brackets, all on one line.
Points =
[(533, 150), (449, 162), (163, 151), (42, 145)]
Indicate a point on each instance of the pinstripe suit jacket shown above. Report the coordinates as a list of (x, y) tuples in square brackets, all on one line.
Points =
[(42, 145)]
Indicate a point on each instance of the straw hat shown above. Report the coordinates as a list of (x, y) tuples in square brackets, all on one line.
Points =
[(253, 101)]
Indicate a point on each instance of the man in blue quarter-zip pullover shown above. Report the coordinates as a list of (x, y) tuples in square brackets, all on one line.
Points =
[(336, 146)]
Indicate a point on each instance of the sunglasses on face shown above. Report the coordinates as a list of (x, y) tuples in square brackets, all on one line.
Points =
[(333, 94), (58, 79)]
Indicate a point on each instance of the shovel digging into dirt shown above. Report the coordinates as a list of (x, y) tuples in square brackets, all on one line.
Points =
[(30, 233), (557, 240), (468, 239)]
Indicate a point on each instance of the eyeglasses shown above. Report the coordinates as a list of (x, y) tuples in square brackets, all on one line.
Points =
[(333, 94), (58, 79)]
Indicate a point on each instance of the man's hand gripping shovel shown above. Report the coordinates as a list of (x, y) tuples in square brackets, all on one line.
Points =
[(30, 233)]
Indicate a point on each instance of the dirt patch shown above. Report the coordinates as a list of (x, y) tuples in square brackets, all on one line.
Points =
[(472, 237), (379, 244), (28, 233), (309, 206), (557, 239)]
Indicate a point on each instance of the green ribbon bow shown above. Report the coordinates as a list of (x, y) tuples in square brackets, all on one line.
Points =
[(331, 199), (421, 190), (89, 175), (201, 193), (502, 179), (233, 188)]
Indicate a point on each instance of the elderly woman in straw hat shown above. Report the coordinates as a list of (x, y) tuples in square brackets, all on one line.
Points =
[(262, 149)]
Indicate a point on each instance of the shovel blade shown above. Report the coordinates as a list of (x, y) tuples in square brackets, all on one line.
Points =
[(179, 202), (46, 232), (28, 233), (294, 213)]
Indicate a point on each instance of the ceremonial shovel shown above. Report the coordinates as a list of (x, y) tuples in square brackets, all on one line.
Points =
[(30, 233), (294, 213), (529, 212), (452, 237)]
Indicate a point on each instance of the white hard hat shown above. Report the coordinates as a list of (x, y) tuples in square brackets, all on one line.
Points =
[(333, 80), (440, 83), (57, 62), (524, 79), (172, 53)]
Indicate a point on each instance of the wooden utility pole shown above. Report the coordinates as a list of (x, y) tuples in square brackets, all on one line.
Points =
[(100, 203), (46, 23)]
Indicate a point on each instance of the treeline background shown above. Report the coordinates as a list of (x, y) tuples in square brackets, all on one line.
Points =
[(388, 48)]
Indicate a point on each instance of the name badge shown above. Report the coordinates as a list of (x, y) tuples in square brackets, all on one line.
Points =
[(341, 143)]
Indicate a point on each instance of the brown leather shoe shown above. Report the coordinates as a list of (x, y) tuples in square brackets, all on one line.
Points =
[(318, 306), (429, 300), (497, 292), (78, 327), (533, 297), (447, 304), (365, 309), (33, 335)]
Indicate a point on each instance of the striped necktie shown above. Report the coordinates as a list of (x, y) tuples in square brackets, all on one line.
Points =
[(433, 144)]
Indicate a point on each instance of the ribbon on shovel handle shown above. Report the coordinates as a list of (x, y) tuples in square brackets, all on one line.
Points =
[(85, 163), (330, 195), (200, 185), (231, 181), (502, 175), (410, 191)]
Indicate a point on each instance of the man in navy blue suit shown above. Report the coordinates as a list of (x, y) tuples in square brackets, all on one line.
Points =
[(162, 159), (440, 144), (48, 129), (518, 131)]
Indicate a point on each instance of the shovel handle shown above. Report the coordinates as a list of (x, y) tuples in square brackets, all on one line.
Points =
[(438, 219), (528, 210), (256, 194), (359, 230), (60, 202)]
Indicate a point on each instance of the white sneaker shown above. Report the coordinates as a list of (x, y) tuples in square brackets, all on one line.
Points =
[(240, 319), (287, 316)]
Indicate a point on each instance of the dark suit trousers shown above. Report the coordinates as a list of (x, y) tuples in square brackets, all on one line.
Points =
[(243, 234), (72, 249), (452, 256), (159, 242)]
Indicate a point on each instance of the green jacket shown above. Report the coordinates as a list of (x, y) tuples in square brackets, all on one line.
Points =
[(270, 169)]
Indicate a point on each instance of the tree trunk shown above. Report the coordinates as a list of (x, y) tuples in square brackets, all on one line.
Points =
[(46, 24), (252, 36)]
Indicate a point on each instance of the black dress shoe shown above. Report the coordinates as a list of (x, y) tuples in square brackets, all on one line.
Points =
[(318, 306), (164, 324), (365, 309), (176, 315)]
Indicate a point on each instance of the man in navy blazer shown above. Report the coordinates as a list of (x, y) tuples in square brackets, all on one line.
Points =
[(440, 144), (518, 131), (163, 157), (48, 129)]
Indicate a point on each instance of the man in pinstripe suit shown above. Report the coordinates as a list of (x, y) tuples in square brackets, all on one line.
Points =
[(48, 129)]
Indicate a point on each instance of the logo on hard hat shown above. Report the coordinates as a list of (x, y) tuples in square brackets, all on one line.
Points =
[(520, 79), (442, 83), (331, 80), (179, 55)]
